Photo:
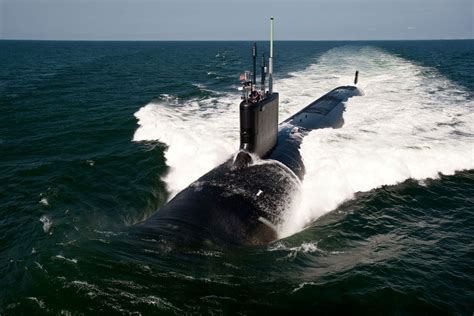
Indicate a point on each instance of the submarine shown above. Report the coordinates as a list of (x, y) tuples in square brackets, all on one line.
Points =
[(243, 200)]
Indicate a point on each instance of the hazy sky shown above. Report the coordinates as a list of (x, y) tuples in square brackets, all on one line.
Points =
[(236, 20)]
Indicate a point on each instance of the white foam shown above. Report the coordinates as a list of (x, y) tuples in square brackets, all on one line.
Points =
[(199, 134), (305, 247), (411, 123), (47, 223), (44, 201), (61, 257)]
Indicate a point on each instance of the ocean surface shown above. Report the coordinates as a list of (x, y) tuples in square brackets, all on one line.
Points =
[(96, 136)]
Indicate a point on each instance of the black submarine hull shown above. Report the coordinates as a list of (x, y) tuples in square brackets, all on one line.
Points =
[(243, 200)]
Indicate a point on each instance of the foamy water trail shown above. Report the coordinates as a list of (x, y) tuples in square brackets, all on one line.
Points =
[(200, 135), (411, 123)]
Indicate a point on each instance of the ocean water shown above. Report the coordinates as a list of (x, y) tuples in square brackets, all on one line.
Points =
[(96, 136)]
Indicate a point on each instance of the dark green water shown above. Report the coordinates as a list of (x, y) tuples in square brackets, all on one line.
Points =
[(73, 181)]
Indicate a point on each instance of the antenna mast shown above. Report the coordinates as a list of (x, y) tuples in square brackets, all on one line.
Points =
[(254, 74), (263, 66), (270, 59)]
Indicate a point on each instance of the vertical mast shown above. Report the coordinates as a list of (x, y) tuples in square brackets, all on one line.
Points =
[(263, 74), (254, 55), (270, 60)]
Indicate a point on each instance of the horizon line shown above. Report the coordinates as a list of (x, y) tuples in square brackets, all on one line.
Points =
[(233, 40)]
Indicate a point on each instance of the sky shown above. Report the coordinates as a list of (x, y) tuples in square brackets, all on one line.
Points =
[(236, 20)]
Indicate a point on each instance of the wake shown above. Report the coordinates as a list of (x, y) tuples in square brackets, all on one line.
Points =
[(411, 123)]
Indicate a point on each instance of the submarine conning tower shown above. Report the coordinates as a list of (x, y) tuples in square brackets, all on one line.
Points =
[(259, 107)]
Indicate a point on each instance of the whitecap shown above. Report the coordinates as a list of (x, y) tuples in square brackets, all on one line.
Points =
[(47, 223)]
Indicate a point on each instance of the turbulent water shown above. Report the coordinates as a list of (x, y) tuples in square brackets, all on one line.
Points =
[(96, 136)]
